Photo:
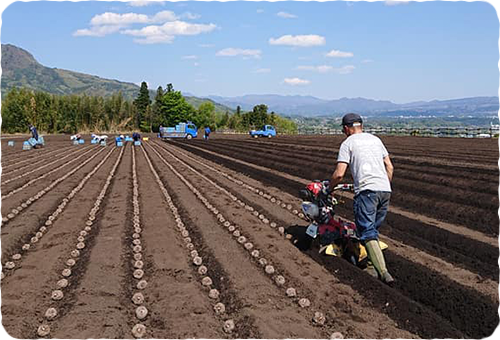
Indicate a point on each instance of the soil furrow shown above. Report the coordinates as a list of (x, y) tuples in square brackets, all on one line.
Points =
[(78, 269), (96, 304), (175, 294), (31, 181), (25, 294), (38, 168), (6, 165), (260, 309), (8, 161), (16, 236), (211, 270)]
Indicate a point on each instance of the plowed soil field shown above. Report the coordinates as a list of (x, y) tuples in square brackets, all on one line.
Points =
[(186, 239)]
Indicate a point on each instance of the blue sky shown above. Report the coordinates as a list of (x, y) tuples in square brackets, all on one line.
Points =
[(400, 52)]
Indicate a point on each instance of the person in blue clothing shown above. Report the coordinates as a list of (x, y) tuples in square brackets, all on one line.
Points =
[(136, 136), (207, 132), (34, 132), (118, 139), (35, 143)]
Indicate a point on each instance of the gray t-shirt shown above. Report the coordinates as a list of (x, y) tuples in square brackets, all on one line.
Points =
[(365, 154)]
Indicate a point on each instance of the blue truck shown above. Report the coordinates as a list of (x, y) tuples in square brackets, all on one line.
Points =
[(266, 131), (182, 130)]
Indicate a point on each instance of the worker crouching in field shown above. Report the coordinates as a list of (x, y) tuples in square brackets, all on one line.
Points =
[(371, 170), (35, 143), (119, 140), (136, 136)]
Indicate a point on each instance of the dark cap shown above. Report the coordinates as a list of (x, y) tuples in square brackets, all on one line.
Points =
[(351, 118)]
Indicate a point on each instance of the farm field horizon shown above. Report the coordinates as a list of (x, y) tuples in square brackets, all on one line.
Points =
[(187, 239)]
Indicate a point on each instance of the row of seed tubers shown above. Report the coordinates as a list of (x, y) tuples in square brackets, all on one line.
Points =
[(32, 162), (269, 269), (319, 317), (24, 174), (141, 312), (58, 294), (248, 187), (37, 196), (50, 219), (206, 281), (29, 160)]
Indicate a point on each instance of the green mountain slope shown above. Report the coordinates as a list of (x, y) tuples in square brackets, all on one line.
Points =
[(20, 69)]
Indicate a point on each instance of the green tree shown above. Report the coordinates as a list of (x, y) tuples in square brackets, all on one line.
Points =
[(156, 109), (13, 111), (174, 108), (223, 120), (205, 116), (284, 125), (141, 103)]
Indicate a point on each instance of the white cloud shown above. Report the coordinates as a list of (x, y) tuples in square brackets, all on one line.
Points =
[(190, 16), (286, 15), (262, 70), (97, 31), (344, 69), (162, 17), (299, 40), (364, 61), (260, 11), (206, 45), (339, 54), (327, 68), (141, 3), (395, 3), (187, 57), (234, 52), (165, 33), (320, 68), (196, 64), (110, 18), (155, 39), (296, 81)]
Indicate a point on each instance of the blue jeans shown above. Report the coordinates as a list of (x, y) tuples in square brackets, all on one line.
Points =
[(370, 209)]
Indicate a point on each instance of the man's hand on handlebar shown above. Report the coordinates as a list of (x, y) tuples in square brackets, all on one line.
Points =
[(344, 187)]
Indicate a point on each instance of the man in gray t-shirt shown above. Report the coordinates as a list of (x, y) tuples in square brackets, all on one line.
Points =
[(371, 170)]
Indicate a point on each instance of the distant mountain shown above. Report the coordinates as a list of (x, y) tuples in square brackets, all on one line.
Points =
[(277, 102), (196, 102), (20, 69), (309, 106)]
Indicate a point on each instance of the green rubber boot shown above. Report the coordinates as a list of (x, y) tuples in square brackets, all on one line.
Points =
[(370, 270), (377, 258)]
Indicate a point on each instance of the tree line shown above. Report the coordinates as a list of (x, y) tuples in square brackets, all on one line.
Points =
[(52, 113)]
